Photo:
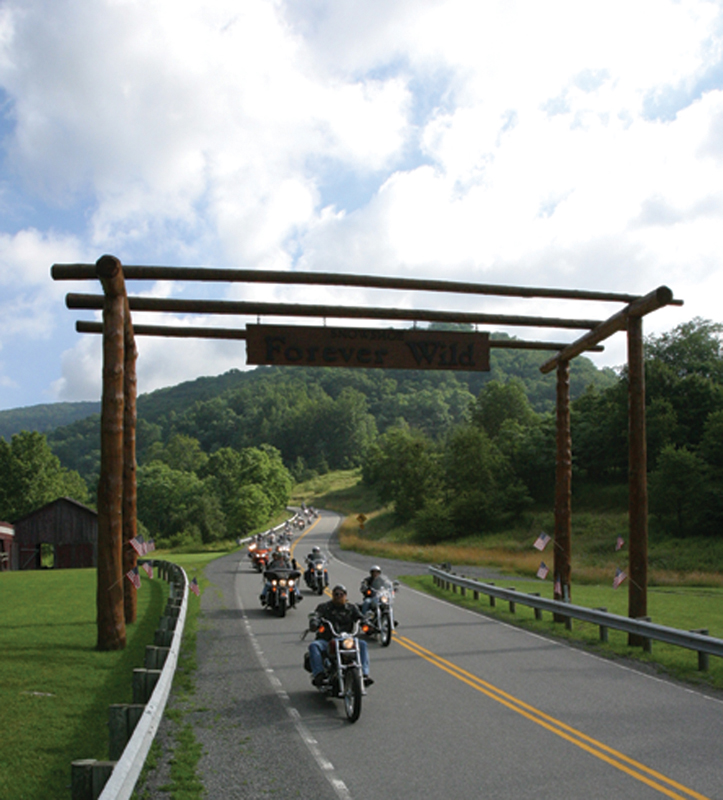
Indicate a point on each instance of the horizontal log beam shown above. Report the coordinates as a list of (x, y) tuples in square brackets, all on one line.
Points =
[(222, 275), (241, 308), (174, 331), (662, 296)]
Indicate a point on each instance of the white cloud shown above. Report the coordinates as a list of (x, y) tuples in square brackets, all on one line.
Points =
[(559, 144)]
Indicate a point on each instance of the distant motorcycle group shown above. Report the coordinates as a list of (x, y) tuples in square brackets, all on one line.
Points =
[(337, 658)]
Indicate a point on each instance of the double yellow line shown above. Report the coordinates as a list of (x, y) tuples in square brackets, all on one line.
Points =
[(613, 757)]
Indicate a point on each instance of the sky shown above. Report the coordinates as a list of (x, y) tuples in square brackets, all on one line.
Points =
[(560, 144)]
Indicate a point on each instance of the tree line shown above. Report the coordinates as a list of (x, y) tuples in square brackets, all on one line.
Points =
[(455, 453)]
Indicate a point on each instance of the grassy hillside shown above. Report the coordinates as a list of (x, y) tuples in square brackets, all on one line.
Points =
[(597, 520)]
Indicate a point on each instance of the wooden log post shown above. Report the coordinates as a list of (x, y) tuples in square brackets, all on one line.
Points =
[(130, 557), (563, 487), (110, 579), (638, 480)]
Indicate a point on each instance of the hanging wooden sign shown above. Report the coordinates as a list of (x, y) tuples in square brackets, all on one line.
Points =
[(382, 348)]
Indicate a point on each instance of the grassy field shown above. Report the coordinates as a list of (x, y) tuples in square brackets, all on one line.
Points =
[(56, 687)]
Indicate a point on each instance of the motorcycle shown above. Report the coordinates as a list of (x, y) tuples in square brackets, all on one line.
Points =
[(379, 620), (280, 593), (260, 555), (342, 669), (317, 576)]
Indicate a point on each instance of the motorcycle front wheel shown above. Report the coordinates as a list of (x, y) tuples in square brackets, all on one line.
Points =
[(385, 631), (281, 608), (352, 693)]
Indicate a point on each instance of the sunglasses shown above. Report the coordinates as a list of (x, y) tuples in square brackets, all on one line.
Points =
[(338, 594)]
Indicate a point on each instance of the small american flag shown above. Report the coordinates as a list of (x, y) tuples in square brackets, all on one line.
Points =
[(150, 546), (148, 567), (619, 543), (542, 571), (541, 541), (558, 586), (134, 577), (193, 586), (139, 545), (619, 578)]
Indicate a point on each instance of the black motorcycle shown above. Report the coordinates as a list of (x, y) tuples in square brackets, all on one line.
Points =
[(280, 593), (342, 669), (317, 575)]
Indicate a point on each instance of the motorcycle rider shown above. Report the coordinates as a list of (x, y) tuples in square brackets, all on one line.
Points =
[(279, 560), (369, 587), (311, 559), (342, 615)]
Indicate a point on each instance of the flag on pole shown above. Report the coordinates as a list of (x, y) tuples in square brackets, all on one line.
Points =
[(558, 586), (148, 567), (150, 546), (134, 577), (619, 543), (139, 545), (542, 571), (193, 586), (541, 541), (619, 578)]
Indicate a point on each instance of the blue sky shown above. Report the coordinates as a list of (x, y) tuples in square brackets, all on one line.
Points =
[(562, 144)]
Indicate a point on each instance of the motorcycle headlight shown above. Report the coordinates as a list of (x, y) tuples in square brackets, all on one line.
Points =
[(282, 582), (348, 644), (384, 599), (273, 583), (291, 582)]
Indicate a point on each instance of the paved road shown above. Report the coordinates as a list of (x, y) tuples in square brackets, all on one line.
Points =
[(463, 706)]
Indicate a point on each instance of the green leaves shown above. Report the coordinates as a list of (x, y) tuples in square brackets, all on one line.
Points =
[(31, 476)]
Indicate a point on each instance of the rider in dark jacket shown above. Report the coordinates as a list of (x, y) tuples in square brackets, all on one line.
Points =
[(342, 616)]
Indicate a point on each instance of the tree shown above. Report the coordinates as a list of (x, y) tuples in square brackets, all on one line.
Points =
[(481, 489), (677, 489), (178, 507), (499, 402), (31, 476), (403, 467), (182, 452)]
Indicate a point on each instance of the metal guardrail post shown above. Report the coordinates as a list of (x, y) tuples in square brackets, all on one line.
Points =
[(603, 628), (538, 611), (703, 658)]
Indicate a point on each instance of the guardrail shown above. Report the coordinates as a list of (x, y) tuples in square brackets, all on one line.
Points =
[(133, 727), (646, 630)]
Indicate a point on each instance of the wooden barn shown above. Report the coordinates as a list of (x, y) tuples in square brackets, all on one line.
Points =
[(61, 535), (7, 542)]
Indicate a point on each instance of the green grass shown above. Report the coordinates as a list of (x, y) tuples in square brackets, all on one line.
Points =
[(183, 751), (56, 687), (682, 608)]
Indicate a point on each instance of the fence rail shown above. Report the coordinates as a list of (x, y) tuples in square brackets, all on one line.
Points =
[(133, 727), (646, 630)]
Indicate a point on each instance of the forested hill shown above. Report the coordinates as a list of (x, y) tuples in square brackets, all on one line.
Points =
[(318, 418), (43, 418)]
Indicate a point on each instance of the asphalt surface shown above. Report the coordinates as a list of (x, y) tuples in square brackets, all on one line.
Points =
[(462, 706)]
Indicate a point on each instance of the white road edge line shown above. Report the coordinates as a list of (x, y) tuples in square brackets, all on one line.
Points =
[(326, 767)]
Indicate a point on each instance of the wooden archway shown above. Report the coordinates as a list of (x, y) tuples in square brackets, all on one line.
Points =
[(117, 486)]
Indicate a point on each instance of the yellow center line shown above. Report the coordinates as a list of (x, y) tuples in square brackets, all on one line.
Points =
[(602, 751)]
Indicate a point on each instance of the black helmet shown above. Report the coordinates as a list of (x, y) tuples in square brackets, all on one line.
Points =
[(315, 549), (375, 568), (339, 588)]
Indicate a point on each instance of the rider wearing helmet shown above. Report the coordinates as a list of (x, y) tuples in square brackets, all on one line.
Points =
[(342, 616), (373, 581)]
